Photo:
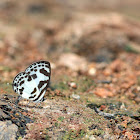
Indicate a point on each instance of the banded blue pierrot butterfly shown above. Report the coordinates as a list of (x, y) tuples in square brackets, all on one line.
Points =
[(33, 82)]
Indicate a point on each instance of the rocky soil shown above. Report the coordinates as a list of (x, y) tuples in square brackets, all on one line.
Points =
[(95, 81)]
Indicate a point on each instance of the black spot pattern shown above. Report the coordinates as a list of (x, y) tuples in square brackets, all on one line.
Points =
[(43, 71), (32, 96), (41, 83), (21, 90), (33, 91), (46, 66), (22, 82), (40, 93), (28, 73), (34, 76), (29, 78)]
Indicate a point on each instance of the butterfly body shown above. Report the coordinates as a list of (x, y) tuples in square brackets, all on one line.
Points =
[(32, 84)]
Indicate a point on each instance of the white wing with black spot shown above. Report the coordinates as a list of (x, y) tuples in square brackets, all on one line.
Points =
[(32, 84)]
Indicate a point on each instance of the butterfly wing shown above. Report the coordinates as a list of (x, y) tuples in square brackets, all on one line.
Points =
[(40, 73), (24, 85)]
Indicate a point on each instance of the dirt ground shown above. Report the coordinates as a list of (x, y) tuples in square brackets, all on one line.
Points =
[(94, 52)]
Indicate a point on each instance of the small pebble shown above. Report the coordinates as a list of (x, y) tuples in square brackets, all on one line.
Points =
[(73, 85), (138, 88), (47, 106), (75, 96), (53, 65), (92, 71), (90, 137), (123, 106), (102, 107)]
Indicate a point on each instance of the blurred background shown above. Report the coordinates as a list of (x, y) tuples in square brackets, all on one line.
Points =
[(32, 30), (85, 37), (78, 35)]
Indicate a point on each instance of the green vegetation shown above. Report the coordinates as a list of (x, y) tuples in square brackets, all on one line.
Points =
[(57, 124), (72, 134), (60, 119), (130, 48)]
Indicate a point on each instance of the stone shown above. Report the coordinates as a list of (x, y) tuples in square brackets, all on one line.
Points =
[(75, 96), (73, 61), (3, 115), (8, 130)]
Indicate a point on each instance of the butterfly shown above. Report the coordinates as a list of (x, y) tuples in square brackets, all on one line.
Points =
[(33, 82)]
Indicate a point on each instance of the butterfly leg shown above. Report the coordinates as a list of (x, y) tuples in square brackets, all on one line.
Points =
[(18, 99)]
